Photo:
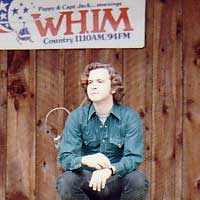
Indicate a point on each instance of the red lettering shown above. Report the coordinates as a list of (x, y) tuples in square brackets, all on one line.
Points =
[(69, 22), (95, 21), (48, 26), (115, 23), (83, 20)]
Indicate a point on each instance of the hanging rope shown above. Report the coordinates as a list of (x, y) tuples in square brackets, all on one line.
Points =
[(57, 139)]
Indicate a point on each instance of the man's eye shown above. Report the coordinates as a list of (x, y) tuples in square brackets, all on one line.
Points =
[(100, 81)]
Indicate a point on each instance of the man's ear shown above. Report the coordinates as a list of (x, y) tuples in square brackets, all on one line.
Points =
[(113, 91)]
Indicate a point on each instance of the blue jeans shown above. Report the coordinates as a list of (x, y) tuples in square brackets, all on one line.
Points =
[(75, 186)]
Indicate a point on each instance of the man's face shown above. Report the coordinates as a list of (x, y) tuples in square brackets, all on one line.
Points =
[(99, 85)]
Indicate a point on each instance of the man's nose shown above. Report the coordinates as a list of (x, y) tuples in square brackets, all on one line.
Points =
[(94, 85)]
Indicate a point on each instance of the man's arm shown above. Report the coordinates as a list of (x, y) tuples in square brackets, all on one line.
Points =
[(133, 146), (132, 155), (97, 161), (70, 149)]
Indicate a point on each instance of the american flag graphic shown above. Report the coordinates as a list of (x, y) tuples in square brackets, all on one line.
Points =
[(14, 14), (4, 23)]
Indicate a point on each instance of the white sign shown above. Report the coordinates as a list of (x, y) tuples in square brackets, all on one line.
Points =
[(71, 24)]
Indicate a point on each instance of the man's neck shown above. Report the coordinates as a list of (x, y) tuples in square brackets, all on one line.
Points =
[(103, 107)]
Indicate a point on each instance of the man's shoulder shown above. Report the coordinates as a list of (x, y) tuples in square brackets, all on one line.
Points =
[(127, 113), (125, 108), (80, 111), (129, 116)]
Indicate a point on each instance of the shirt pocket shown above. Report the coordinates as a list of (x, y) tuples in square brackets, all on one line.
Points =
[(117, 137), (90, 136), (115, 147), (119, 142)]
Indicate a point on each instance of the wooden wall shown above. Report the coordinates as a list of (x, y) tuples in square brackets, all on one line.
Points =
[(162, 83)]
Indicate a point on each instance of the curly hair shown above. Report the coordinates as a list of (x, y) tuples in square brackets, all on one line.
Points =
[(116, 80)]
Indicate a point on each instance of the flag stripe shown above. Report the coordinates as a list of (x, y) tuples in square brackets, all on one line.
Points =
[(3, 31)]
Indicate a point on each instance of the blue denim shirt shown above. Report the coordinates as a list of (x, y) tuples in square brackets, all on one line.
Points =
[(120, 138)]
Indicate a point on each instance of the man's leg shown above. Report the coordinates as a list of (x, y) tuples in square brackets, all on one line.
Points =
[(69, 186), (134, 186), (112, 190)]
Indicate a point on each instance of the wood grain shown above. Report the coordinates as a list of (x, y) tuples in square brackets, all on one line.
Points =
[(20, 172), (75, 62), (167, 101), (138, 72), (113, 56), (50, 94), (3, 122), (191, 139)]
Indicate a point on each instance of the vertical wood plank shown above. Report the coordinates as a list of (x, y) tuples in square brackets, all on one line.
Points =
[(167, 102), (138, 83), (178, 78), (191, 52), (50, 94), (113, 56), (21, 126), (3, 122), (137, 68), (75, 62)]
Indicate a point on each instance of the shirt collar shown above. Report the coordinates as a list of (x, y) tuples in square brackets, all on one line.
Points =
[(114, 111), (91, 111)]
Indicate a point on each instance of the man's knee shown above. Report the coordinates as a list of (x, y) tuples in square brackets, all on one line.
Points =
[(136, 179), (135, 186), (65, 184)]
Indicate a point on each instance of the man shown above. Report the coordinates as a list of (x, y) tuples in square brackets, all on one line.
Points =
[(102, 145)]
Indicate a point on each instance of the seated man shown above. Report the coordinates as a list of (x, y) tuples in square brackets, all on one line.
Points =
[(102, 144)]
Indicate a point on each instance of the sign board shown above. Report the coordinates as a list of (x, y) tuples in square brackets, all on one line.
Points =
[(71, 24)]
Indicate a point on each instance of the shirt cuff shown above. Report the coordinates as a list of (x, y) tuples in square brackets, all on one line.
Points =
[(119, 168), (76, 164)]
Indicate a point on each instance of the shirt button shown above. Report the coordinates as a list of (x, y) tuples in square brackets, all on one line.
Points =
[(101, 126), (103, 141), (105, 126)]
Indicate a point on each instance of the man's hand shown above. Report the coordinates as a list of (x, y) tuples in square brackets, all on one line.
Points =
[(98, 179), (97, 161)]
